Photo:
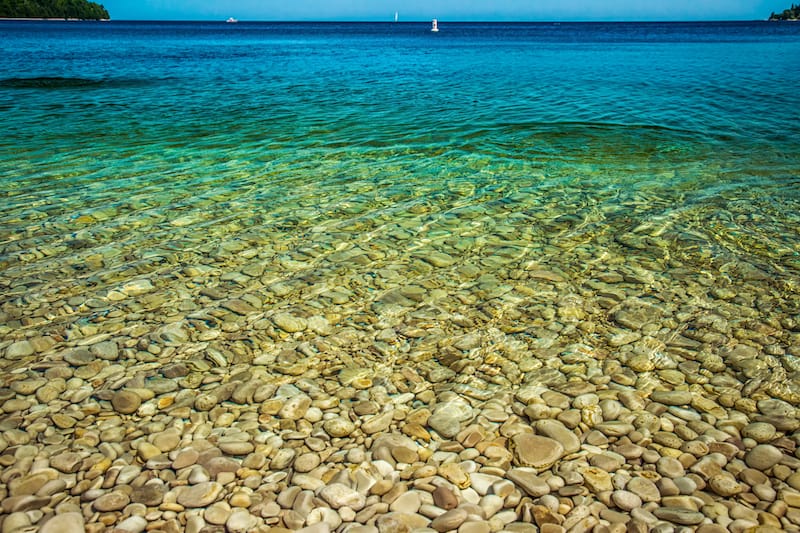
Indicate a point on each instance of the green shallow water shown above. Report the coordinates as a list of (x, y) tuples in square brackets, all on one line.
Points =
[(526, 202)]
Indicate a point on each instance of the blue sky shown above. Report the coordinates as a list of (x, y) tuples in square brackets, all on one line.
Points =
[(500, 10)]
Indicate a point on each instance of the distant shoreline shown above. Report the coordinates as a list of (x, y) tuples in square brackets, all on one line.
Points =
[(54, 19)]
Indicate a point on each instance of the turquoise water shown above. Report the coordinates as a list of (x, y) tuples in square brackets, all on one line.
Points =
[(491, 177)]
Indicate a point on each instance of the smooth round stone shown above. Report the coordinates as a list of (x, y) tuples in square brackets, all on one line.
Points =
[(150, 494), (289, 323), (644, 489), (236, 447), (763, 457), (167, 440), (482, 483), (670, 467), (674, 397), (559, 432), (536, 451), (200, 495), (27, 386), (475, 527), (67, 462), (685, 485), (760, 432), (377, 423), (678, 515), (240, 499), (597, 480), (445, 498), (217, 513), (626, 500), (19, 349), (447, 417), (113, 501), (241, 521), (295, 407), (147, 451), (449, 520), (107, 350), (187, 457), (724, 484), (126, 402), (64, 523), (408, 502), (15, 521), (338, 427), (132, 524), (529, 481), (306, 462), (339, 495)]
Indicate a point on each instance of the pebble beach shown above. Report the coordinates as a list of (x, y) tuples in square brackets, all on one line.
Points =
[(569, 330)]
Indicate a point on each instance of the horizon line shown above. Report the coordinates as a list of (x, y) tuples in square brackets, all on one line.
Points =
[(412, 21)]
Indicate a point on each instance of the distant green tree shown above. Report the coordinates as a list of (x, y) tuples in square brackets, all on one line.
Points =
[(793, 13), (78, 9)]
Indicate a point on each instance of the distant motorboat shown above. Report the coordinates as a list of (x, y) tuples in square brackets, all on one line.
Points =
[(231, 20), (435, 26)]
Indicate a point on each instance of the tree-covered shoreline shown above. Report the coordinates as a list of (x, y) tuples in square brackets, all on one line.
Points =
[(793, 13), (53, 9)]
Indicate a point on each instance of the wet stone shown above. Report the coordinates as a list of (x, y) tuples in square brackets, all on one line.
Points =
[(126, 402), (19, 349), (200, 495), (678, 515), (763, 457), (535, 451), (71, 522), (672, 397), (113, 501), (289, 323)]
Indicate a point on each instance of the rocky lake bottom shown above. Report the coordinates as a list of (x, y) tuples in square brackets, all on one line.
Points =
[(461, 355)]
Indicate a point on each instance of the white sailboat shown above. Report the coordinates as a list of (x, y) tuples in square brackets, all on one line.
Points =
[(396, 14), (435, 25)]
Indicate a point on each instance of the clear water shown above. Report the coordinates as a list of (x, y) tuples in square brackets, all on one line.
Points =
[(335, 160)]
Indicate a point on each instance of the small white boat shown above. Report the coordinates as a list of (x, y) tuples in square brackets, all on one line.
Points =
[(396, 15), (231, 20), (435, 25)]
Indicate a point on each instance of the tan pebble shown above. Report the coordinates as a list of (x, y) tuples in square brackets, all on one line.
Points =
[(236, 447), (113, 501), (240, 499), (763, 457), (217, 513), (147, 451), (70, 522), (381, 487), (626, 500), (724, 484), (596, 480), (454, 474), (535, 451), (377, 423), (445, 498), (644, 489), (126, 402), (450, 520), (306, 462), (338, 427), (200, 495)]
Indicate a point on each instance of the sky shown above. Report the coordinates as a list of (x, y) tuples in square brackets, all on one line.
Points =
[(445, 10)]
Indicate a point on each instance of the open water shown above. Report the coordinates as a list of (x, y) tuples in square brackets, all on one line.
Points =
[(387, 178)]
